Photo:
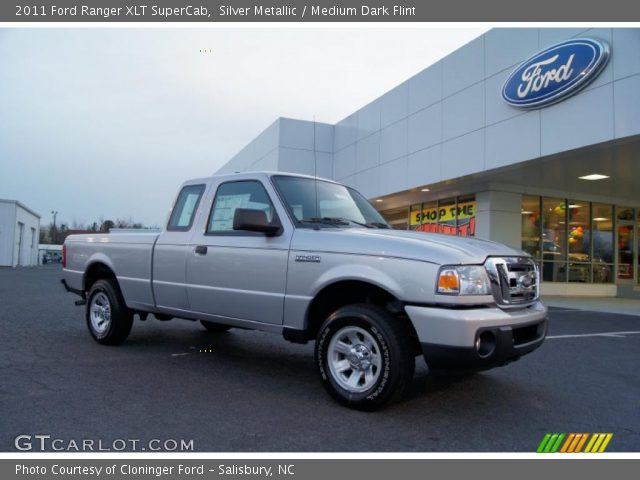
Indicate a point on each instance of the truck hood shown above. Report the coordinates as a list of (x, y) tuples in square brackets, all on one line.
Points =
[(427, 247)]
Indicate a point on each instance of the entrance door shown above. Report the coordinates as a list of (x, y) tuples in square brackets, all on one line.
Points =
[(625, 241), (20, 237)]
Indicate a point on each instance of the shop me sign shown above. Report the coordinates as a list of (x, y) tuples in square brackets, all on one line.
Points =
[(555, 73), (450, 220)]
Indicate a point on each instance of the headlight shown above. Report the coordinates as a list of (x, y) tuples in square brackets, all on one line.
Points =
[(463, 280)]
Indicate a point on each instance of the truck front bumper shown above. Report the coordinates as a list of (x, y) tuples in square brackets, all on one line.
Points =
[(477, 338)]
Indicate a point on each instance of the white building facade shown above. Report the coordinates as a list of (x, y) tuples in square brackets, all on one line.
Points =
[(452, 150), (19, 234)]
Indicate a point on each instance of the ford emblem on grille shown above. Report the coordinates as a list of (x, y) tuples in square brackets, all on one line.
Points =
[(525, 282), (514, 280)]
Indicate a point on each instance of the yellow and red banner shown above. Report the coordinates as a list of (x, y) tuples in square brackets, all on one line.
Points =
[(454, 219)]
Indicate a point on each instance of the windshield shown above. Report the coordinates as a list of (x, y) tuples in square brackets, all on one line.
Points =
[(313, 203)]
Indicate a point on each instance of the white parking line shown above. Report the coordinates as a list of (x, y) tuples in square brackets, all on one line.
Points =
[(604, 334)]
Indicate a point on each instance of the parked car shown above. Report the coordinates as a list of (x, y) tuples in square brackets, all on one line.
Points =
[(312, 260)]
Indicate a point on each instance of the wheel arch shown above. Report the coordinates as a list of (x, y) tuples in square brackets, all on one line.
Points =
[(97, 270), (347, 291)]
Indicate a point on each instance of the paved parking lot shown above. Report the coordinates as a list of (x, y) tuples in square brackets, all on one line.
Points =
[(257, 392)]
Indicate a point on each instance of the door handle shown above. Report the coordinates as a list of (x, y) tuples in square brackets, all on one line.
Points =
[(201, 250)]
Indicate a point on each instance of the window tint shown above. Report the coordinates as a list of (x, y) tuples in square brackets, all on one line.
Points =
[(185, 208), (232, 195)]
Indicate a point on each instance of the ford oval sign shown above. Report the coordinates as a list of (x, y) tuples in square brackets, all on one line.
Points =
[(555, 73)]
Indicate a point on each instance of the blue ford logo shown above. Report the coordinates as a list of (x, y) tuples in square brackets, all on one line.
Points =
[(555, 73)]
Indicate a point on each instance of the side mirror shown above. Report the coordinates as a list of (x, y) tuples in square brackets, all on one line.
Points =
[(252, 220)]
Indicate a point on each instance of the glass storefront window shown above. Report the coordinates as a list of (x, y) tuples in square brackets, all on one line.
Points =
[(466, 213), (447, 219), (602, 272), (531, 225), (554, 228), (452, 216), (554, 236), (625, 214), (579, 241), (416, 216), (580, 272), (396, 217), (579, 231), (602, 218), (625, 251), (625, 242), (554, 271)]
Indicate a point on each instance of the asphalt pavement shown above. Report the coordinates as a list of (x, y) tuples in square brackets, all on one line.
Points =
[(251, 391)]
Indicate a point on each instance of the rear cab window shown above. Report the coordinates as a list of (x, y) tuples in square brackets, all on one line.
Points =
[(185, 209)]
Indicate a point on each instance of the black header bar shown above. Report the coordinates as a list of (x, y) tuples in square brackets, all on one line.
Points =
[(102, 11)]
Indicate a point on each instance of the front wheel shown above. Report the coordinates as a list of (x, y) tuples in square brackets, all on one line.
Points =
[(108, 318), (364, 357)]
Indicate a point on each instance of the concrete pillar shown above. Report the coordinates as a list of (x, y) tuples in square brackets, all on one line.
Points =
[(498, 217)]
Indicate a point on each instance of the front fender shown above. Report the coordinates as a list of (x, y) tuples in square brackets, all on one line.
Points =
[(407, 280)]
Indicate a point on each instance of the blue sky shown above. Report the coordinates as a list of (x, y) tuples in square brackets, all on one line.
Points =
[(107, 122)]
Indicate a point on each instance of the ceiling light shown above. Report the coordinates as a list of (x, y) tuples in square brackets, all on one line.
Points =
[(594, 176), (600, 219), (573, 205), (526, 212), (425, 190), (379, 200)]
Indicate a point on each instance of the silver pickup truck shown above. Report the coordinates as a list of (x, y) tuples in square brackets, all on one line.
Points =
[(311, 259)]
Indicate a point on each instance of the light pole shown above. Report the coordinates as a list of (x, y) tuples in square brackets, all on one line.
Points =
[(54, 232)]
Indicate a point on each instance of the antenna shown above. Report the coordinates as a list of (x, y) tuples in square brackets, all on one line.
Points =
[(315, 167)]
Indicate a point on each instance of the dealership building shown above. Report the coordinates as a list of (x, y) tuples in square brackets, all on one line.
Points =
[(19, 234), (529, 137)]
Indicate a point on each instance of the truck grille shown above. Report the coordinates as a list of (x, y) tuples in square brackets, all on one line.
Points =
[(514, 280)]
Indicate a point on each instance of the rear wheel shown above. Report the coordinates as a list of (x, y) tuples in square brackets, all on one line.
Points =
[(108, 318), (214, 327), (364, 357)]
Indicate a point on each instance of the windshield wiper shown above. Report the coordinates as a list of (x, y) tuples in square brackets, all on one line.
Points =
[(335, 221), (378, 225)]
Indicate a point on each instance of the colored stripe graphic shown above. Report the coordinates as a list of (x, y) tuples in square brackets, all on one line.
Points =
[(606, 442), (590, 444), (556, 445), (581, 443), (565, 447), (550, 443), (598, 442), (574, 442), (543, 443), (572, 448)]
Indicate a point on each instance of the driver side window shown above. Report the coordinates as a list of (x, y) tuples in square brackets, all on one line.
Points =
[(233, 195)]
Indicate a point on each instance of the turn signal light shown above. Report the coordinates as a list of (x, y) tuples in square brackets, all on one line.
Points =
[(448, 282)]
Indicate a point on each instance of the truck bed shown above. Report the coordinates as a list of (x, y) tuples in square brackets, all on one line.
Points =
[(128, 254)]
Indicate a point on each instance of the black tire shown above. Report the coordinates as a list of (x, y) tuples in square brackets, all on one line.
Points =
[(395, 356), (215, 327), (120, 320)]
